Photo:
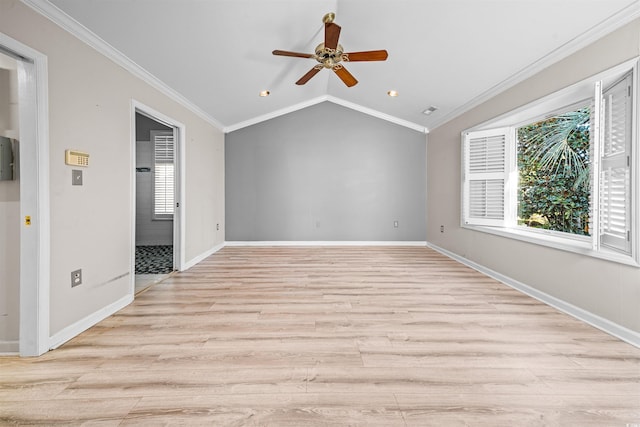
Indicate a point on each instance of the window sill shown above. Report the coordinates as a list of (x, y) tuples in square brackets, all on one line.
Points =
[(577, 244)]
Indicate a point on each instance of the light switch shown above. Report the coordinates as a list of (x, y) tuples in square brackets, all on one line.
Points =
[(76, 177)]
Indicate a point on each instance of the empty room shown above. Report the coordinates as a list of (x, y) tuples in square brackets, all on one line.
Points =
[(320, 212)]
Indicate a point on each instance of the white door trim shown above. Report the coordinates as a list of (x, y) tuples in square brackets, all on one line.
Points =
[(179, 215), (35, 242)]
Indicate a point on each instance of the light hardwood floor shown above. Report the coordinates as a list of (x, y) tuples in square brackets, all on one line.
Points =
[(371, 336)]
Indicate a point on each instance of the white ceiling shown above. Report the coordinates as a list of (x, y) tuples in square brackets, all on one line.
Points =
[(446, 53)]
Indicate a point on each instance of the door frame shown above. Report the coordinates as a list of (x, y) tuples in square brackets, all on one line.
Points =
[(179, 162), (35, 240)]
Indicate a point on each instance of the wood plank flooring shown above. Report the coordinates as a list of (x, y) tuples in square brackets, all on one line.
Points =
[(329, 336)]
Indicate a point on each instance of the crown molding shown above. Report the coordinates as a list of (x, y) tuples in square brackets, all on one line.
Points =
[(597, 32), (274, 114), (57, 16), (377, 114), (318, 100), (85, 35)]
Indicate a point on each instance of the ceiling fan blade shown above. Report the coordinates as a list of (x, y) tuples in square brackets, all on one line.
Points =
[(345, 76), (331, 35), (294, 54), (370, 55), (312, 72)]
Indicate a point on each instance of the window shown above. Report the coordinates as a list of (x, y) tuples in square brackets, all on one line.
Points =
[(559, 171), (163, 174), (553, 160)]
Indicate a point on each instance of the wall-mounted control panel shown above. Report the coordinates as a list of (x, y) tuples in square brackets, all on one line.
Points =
[(76, 158)]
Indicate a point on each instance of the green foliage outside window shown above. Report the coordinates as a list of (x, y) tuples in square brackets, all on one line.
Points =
[(553, 164)]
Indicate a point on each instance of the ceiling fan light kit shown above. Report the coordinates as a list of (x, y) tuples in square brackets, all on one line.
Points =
[(330, 54)]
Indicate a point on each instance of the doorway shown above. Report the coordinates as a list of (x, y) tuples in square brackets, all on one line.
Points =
[(9, 207), (157, 198), (30, 222)]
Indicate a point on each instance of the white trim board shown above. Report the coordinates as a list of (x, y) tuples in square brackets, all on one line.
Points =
[(325, 243), (81, 32), (93, 319), (217, 248), (60, 18), (179, 220), (611, 328), (609, 25), (85, 35), (378, 114), (202, 256), (272, 115), (35, 240), (326, 98)]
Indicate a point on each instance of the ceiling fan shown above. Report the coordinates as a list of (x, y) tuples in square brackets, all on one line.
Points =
[(330, 54)]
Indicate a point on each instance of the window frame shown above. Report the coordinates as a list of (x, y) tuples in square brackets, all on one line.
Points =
[(564, 99), (155, 215)]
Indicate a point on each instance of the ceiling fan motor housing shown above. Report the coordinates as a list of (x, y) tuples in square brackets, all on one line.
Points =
[(329, 57)]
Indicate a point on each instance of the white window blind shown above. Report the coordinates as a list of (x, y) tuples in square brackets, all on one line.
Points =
[(485, 177), (615, 166), (163, 174)]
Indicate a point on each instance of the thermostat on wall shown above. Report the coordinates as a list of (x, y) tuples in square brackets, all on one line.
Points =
[(76, 158)]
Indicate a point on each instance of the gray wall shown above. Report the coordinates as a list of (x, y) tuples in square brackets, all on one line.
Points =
[(325, 173)]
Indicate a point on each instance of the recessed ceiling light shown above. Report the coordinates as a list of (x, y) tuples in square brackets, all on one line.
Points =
[(430, 110), (392, 93), (264, 93)]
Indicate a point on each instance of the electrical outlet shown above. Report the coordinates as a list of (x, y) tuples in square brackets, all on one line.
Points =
[(395, 224), (76, 278), (442, 228), (217, 226)]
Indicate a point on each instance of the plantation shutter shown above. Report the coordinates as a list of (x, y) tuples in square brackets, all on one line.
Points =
[(615, 166), (485, 175), (163, 174), (594, 153)]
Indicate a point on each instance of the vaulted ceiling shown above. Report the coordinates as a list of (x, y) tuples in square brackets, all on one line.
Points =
[(451, 54)]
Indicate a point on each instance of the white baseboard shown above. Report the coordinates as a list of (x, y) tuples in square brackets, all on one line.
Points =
[(202, 256), (605, 325), (82, 325), (9, 348), (326, 243)]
